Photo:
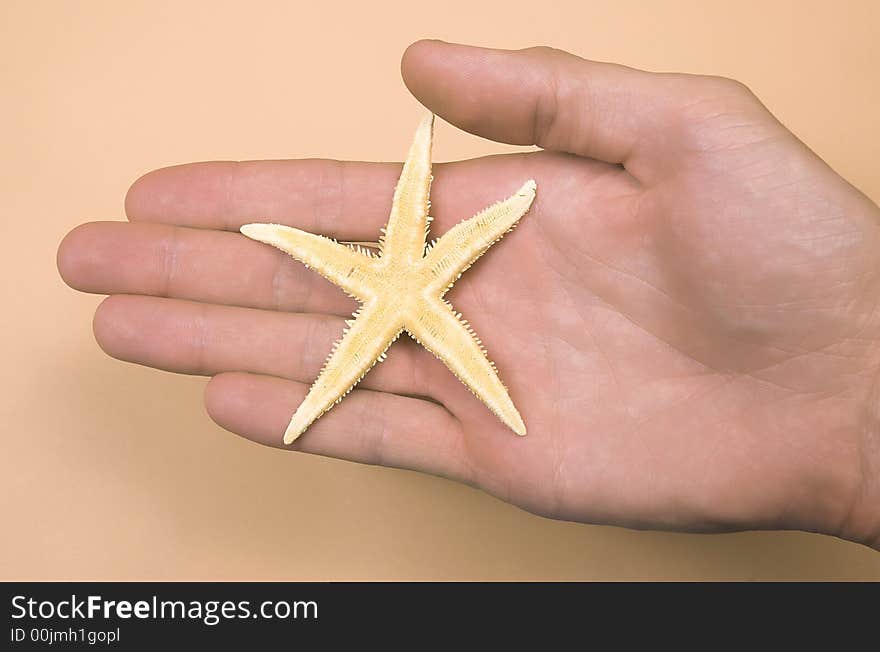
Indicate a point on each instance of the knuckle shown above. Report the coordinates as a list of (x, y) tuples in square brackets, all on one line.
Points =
[(716, 113), (375, 437), (715, 92), (545, 112), (541, 50), (329, 196), (277, 283), (725, 86), (200, 338), (168, 264), (308, 345)]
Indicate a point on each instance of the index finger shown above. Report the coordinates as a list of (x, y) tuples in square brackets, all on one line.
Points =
[(340, 199)]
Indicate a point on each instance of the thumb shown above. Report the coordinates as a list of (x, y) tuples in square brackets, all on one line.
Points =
[(558, 101)]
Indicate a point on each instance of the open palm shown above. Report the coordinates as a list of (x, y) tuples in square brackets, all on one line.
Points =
[(686, 319)]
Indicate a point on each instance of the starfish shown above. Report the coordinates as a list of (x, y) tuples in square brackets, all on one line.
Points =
[(402, 288)]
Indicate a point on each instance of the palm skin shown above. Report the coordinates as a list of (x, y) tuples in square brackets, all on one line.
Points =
[(685, 319)]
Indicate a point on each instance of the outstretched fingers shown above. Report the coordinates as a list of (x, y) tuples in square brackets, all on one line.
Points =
[(177, 244)]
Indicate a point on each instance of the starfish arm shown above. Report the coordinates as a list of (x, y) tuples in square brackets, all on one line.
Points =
[(363, 344), (349, 269), (468, 240), (404, 236), (440, 330)]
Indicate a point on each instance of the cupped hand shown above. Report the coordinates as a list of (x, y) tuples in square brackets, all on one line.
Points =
[(686, 319)]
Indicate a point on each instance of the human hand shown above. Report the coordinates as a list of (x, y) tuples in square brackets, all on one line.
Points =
[(686, 319)]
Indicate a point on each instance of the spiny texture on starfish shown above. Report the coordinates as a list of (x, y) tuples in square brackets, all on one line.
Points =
[(402, 289)]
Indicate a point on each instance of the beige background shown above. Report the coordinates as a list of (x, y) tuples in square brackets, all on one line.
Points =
[(113, 471)]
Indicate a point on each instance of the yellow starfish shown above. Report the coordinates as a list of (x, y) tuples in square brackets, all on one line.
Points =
[(402, 289)]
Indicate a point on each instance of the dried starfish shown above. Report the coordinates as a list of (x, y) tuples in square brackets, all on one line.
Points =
[(402, 288)]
